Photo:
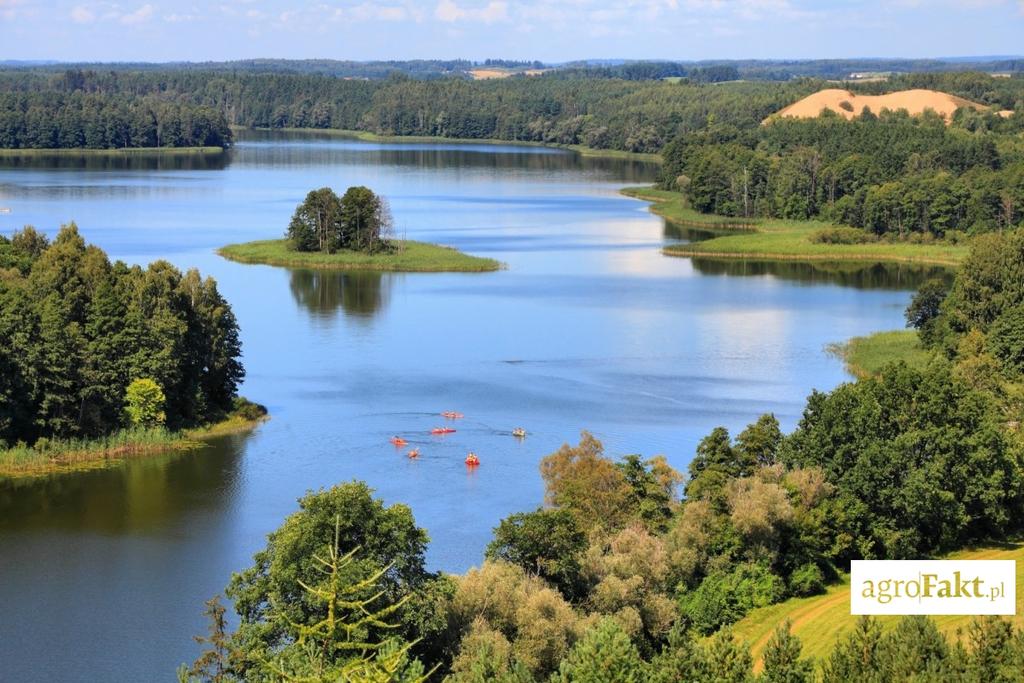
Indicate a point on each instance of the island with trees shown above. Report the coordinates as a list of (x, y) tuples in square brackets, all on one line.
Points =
[(351, 232), (105, 360)]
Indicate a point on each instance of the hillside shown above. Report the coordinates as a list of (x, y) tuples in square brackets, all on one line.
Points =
[(849, 104), (820, 620)]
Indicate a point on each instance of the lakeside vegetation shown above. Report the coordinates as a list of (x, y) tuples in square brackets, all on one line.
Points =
[(70, 116), (68, 455), (104, 360), (774, 239), (401, 256), (867, 356)]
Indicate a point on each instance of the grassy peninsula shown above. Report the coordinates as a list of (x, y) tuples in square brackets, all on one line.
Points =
[(404, 256), (771, 239), (52, 456), (866, 356)]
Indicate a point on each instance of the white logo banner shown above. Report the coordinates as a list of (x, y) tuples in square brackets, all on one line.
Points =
[(933, 587)]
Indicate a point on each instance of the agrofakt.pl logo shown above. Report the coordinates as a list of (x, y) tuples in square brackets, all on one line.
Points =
[(978, 587)]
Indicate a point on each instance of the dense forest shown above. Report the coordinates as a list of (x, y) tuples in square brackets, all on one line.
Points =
[(623, 107), (79, 330), (618, 578), (77, 119), (890, 174)]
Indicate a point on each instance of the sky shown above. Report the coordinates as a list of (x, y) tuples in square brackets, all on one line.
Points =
[(551, 31)]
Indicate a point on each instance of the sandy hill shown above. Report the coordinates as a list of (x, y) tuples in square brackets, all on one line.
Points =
[(848, 104)]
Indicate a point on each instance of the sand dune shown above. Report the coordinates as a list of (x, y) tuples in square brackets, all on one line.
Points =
[(848, 104)]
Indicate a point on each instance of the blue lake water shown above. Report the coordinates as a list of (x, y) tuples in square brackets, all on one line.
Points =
[(103, 574)]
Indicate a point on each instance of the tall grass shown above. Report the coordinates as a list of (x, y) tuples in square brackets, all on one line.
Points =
[(53, 454)]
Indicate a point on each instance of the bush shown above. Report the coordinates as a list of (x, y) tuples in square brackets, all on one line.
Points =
[(248, 410), (144, 403), (842, 236), (724, 598), (807, 579)]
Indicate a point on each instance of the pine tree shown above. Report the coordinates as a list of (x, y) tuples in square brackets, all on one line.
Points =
[(604, 655), (782, 662)]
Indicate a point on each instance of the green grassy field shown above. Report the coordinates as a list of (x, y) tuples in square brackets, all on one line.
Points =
[(818, 621), (866, 356), (775, 240), (79, 151), (582, 150), (409, 256)]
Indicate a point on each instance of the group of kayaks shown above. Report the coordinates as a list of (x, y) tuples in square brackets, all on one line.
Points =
[(472, 460)]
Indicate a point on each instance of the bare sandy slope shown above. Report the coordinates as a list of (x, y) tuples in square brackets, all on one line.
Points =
[(848, 104)]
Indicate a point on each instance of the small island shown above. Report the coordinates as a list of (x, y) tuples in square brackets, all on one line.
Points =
[(351, 232)]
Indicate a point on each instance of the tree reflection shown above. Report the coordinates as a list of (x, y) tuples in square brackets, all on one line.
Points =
[(323, 293), (898, 276), (140, 494)]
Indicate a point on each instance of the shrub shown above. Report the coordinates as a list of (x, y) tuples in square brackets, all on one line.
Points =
[(842, 236), (807, 579), (144, 403)]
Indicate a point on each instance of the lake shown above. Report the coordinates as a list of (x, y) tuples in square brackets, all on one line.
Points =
[(103, 573)]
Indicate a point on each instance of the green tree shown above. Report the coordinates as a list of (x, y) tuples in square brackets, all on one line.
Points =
[(365, 219), (144, 403), (604, 655), (318, 223), (782, 662), (546, 542), (268, 596)]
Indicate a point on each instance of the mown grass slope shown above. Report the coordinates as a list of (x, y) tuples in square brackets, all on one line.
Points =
[(818, 621)]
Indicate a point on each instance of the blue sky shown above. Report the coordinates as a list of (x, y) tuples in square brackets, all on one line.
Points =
[(161, 30)]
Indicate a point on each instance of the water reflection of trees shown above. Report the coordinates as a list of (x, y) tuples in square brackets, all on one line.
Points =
[(357, 293), (847, 273), (134, 161), (132, 495)]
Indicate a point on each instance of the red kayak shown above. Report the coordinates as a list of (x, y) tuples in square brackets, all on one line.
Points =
[(414, 453), (452, 415), (441, 430), (472, 460), (398, 441)]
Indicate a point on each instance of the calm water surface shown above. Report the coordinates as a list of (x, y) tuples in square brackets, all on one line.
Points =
[(103, 574)]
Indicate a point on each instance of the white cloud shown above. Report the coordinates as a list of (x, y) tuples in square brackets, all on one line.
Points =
[(138, 16), (371, 11), (449, 11), (80, 14)]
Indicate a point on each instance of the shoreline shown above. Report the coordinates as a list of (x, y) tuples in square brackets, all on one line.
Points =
[(123, 445), (779, 240), (89, 151), (366, 136), (414, 257)]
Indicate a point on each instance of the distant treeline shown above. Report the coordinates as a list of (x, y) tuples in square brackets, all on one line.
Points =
[(97, 120), (612, 113), (78, 329), (748, 69)]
